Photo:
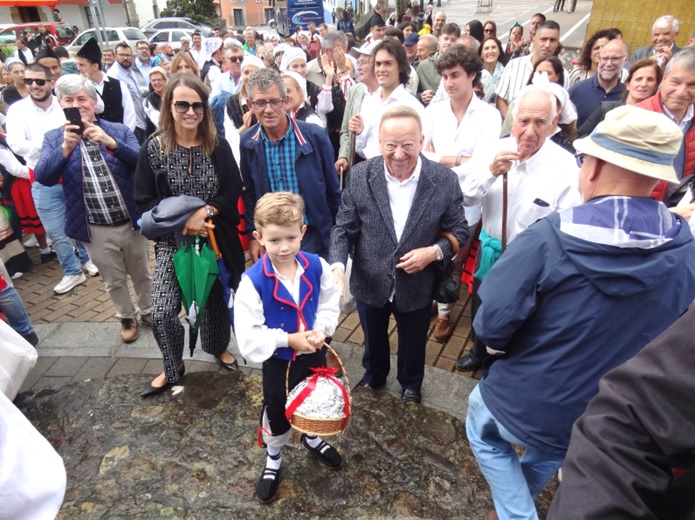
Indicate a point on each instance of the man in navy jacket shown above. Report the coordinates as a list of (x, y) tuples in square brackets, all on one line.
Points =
[(574, 296), (281, 154), (96, 163)]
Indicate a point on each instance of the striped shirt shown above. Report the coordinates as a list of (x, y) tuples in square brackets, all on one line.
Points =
[(515, 76)]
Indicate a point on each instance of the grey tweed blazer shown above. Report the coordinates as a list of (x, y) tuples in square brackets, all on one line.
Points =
[(364, 228), (646, 52)]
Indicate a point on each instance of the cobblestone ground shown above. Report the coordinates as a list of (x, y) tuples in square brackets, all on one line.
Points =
[(192, 455), (89, 302)]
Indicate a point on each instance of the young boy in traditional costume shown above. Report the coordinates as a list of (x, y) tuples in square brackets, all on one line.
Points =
[(286, 305)]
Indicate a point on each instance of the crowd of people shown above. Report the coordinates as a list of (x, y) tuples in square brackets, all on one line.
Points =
[(569, 190)]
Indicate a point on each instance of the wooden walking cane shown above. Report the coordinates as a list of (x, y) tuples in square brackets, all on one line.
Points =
[(504, 211)]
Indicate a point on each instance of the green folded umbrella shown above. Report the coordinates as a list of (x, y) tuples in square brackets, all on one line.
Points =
[(196, 270)]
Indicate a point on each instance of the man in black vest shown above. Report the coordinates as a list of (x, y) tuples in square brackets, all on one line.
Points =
[(118, 104)]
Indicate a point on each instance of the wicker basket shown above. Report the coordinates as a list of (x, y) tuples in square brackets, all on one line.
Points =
[(316, 426)]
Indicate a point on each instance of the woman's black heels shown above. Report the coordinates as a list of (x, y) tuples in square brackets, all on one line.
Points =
[(234, 365), (150, 390)]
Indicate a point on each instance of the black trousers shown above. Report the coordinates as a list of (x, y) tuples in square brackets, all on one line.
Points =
[(412, 340), (274, 376), (478, 348)]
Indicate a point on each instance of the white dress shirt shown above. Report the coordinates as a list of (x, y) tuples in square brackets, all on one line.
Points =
[(401, 195), (27, 124), (199, 56), (225, 83), (367, 143), (480, 125), (130, 80), (540, 186), (256, 340)]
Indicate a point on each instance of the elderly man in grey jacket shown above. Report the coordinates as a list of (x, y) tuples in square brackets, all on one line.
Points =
[(393, 212)]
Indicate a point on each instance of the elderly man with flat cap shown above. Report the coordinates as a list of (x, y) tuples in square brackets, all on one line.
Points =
[(574, 296)]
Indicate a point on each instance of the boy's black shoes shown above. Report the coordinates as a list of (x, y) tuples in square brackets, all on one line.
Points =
[(267, 486), (326, 453)]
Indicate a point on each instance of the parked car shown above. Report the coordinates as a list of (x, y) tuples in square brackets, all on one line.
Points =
[(10, 33), (110, 35), (159, 24), (172, 36)]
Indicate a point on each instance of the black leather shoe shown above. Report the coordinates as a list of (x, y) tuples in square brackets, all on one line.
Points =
[(327, 454), (411, 395), (268, 484), (469, 362), (150, 390), (234, 365), (363, 383)]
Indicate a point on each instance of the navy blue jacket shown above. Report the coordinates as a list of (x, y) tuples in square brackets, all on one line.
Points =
[(566, 311), (318, 180), (53, 166)]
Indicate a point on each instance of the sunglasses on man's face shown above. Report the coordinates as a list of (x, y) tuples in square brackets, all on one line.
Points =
[(30, 81), (184, 106), (234, 59)]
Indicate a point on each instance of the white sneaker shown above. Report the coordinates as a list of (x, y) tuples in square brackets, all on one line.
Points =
[(31, 241), (68, 282), (90, 268)]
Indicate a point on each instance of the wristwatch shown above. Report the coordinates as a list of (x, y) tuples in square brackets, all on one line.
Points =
[(438, 252), (210, 211)]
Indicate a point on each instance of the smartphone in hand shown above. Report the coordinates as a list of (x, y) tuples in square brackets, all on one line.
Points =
[(72, 114)]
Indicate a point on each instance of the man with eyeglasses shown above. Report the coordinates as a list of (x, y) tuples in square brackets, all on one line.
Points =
[(230, 81), (392, 214), (95, 163), (605, 85), (28, 121), (144, 58), (282, 154), (138, 86)]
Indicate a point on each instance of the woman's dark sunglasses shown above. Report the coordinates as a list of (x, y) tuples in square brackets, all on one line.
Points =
[(183, 106)]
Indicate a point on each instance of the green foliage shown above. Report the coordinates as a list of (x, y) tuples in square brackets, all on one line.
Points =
[(201, 11), (7, 50)]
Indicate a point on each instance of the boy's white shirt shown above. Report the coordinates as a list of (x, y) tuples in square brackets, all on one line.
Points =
[(256, 341)]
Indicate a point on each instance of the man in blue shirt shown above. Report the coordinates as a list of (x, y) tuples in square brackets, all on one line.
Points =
[(605, 85), (281, 154)]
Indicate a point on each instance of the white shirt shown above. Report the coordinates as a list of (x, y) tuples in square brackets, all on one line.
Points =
[(401, 195), (256, 341), (129, 117), (200, 56), (225, 82), (685, 124), (540, 186), (480, 125), (27, 124), (128, 78), (367, 143)]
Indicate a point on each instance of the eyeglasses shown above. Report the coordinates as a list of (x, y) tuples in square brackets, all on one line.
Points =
[(184, 106), (612, 59), (579, 158), (234, 59), (29, 81), (489, 31), (262, 103)]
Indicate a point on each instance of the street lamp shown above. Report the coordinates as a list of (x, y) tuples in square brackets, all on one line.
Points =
[(421, 15)]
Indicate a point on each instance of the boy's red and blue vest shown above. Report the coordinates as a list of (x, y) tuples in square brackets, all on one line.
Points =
[(281, 312)]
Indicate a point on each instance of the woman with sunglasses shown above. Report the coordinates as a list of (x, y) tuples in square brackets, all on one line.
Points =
[(186, 157), (489, 29)]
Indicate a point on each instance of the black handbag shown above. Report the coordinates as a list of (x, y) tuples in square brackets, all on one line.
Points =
[(447, 283)]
